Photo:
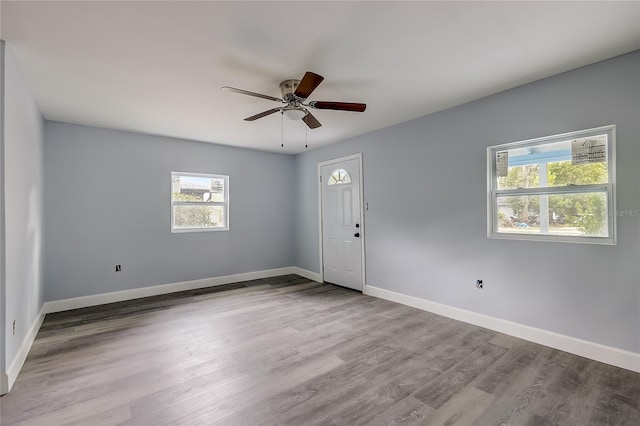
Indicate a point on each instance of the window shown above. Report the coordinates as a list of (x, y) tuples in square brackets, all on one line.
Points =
[(555, 188), (199, 202), (339, 176)]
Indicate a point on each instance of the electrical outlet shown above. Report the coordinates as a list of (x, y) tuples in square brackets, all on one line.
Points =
[(118, 268), (14, 327), (479, 284)]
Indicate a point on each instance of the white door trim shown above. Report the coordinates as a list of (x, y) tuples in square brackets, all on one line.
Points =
[(363, 232)]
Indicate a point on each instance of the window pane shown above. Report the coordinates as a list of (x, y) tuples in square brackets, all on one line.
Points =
[(572, 162), (197, 188), (521, 177), (339, 176), (564, 173), (583, 214), (188, 217)]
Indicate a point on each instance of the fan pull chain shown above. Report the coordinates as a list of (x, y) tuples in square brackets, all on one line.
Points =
[(306, 136), (282, 129)]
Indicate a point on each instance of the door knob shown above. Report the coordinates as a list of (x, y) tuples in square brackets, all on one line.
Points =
[(357, 235)]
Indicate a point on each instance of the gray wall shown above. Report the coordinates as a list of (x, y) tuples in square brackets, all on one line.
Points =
[(107, 202), (425, 182), (23, 194)]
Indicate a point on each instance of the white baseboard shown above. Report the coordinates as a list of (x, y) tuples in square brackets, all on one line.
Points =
[(16, 365), (119, 296), (4, 384), (313, 276), (607, 354)]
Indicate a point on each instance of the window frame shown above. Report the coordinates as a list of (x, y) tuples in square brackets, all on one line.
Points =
[(224, 204), (608, 188)]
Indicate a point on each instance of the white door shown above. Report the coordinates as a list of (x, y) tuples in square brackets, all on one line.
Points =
[(342, 223)]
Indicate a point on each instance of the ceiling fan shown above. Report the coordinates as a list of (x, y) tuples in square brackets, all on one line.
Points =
[(294, 95)]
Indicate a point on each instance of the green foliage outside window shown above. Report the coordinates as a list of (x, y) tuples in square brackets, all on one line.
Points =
[(197, 216), (585, 211)]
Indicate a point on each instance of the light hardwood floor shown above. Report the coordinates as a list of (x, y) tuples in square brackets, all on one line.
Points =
[(288, 351)]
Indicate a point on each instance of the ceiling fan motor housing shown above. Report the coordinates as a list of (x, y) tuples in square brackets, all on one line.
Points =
[(288, 87)]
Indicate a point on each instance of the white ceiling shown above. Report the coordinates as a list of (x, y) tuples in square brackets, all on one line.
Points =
[(157, 67)]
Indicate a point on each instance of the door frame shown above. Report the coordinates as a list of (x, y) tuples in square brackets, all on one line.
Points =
[(4, 378), (363, 233)]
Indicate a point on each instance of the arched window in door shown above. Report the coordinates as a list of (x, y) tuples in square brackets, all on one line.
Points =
[(339, 176)]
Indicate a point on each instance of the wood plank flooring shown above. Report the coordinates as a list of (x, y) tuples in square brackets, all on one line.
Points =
[(288, 351)]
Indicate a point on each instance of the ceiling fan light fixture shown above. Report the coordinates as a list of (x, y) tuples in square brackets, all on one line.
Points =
[(294, 113)]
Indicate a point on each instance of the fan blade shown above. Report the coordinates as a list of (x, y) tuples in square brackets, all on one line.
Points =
[(338, 106), (262, 114), (311, 121), (246, 92), (308, 84)]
